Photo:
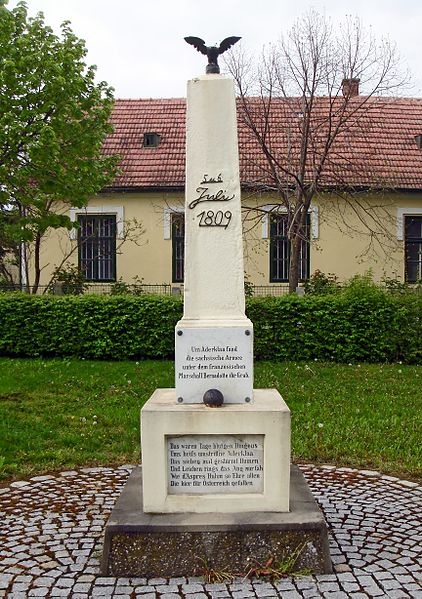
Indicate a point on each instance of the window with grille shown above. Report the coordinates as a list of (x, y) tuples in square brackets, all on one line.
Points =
[(280, 250), (178, 247), (413, 248), (97, 247)]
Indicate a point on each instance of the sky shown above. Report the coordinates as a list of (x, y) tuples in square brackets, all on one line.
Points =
[(139, 49)]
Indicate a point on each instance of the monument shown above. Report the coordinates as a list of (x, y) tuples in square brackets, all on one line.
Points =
[(216, 476)]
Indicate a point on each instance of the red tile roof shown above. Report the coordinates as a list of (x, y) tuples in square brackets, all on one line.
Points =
[(378, 149)]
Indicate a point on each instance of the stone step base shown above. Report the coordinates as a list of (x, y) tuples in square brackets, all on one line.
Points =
[(181, 544)]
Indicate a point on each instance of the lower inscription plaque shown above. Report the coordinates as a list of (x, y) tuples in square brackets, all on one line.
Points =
[(204, 464)]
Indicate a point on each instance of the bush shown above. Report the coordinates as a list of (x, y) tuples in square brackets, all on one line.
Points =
[(122, 288), (119, 327), (362, 323), (347, 327), (70, 280), (321, 284)]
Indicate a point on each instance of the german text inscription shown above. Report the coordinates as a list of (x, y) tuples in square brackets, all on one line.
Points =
[(204, 464)]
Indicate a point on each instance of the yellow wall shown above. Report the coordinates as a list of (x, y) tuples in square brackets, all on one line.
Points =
[(339, 248), (343, 245)]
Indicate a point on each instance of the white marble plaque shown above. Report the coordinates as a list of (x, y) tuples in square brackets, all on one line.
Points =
[(208, 464), (214, 358)]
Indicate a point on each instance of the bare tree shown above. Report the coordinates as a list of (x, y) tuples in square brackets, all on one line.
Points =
[(300, 107)]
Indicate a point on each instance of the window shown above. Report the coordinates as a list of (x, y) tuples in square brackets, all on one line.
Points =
[(280, 250), (178, 246), (413, 248), (151, 140), (97, 247)]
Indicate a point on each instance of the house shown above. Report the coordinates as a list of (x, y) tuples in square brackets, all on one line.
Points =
[(368, 214)]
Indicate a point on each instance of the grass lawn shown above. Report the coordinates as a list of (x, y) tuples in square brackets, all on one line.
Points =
[(60, 414)]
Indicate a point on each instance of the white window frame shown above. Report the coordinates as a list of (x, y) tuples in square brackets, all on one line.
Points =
[(117, 211), (401, 213), (168, 211), (276, 208)]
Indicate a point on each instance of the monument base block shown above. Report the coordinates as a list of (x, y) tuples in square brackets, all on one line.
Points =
[(168, 545), (233, 458)]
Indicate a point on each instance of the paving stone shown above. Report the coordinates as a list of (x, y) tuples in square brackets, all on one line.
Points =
[(192, 588), (5, 580), (123, 587), (328, 587), (19, 484), (342, 567), (60, 592), (350, 586), (102, 591), (54, 526), (215, 586), (391, 584), (65, 582), (39, 592), (179, 580), (82, 587), (167, 588), (285, 585), (265, 591), (245, 593), (20, 587), (157, 581), (85, 578)]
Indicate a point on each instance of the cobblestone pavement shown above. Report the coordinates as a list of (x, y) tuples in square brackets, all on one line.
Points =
[(51, 540)]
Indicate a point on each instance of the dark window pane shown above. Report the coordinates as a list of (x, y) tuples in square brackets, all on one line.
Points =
[(413, 248), (280, 249), (97, 247), (413, 227), (151, 140), (178, 247)]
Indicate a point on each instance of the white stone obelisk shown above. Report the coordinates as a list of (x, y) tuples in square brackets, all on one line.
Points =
[(214, 339), (197, 457)]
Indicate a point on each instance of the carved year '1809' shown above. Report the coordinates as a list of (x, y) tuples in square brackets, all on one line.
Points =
[(212, 218)]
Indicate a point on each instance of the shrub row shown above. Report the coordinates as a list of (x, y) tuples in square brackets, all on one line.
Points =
[(90, 326), (371, 327), (338, 328)]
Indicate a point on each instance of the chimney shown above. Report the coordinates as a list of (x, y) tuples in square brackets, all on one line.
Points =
[(350, 87), (418, 140)]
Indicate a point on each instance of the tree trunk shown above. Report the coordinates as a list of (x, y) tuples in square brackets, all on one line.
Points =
[(294, 262), (37, 265)]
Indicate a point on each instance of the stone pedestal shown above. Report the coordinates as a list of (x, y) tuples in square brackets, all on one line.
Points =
[(167, 545), (235, 458)]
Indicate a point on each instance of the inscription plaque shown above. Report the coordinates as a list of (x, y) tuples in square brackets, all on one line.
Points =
[(214, 358), (205, 464)]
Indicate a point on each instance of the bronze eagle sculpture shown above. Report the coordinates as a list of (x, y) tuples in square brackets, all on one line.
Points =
[(212, 52)]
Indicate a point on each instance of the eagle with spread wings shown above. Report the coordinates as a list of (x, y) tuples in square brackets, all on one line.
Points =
[(212, 52)]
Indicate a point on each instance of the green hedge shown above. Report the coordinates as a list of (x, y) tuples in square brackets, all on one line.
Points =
[(370, 327), (338, 328), (90, 326)]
